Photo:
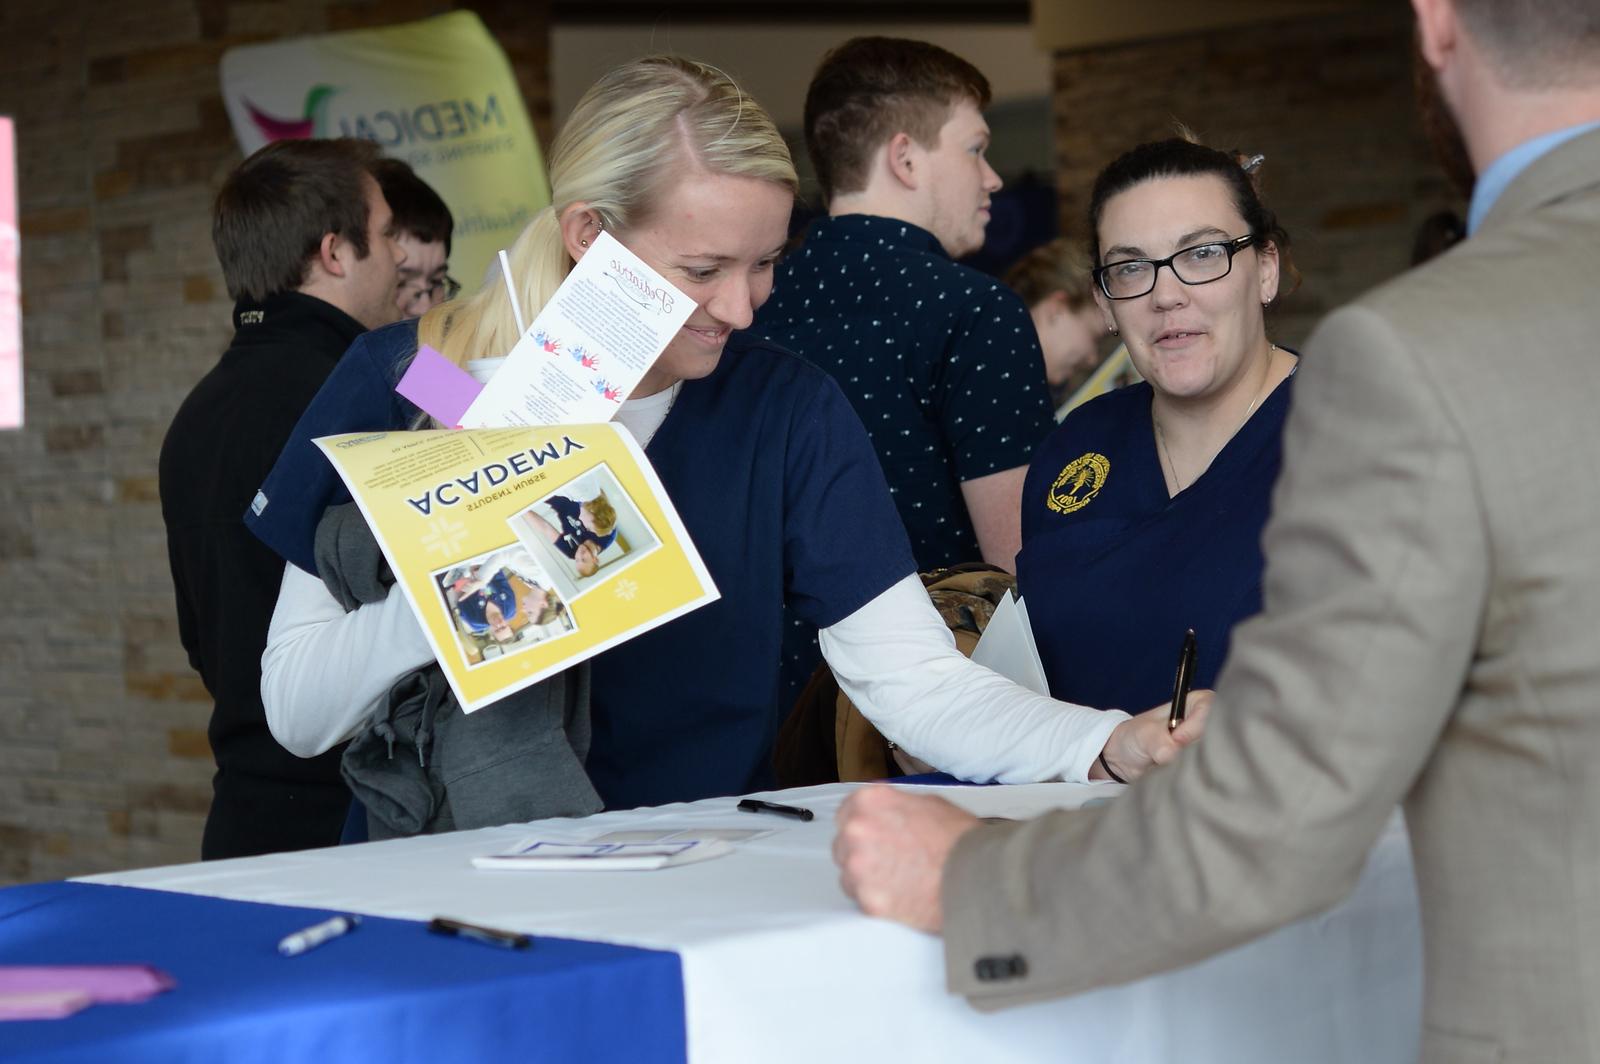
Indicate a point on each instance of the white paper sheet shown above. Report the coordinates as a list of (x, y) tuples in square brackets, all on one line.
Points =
[(542, 855), (1007, 647), (588, 347)]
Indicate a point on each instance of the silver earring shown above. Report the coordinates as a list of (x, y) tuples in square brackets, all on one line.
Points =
[(1112, 329), (1266, 303)]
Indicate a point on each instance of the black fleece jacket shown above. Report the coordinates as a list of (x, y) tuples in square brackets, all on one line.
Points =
[(223, 441)]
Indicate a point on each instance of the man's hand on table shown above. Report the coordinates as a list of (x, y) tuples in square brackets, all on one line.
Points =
[(892, 845), (891, 849)]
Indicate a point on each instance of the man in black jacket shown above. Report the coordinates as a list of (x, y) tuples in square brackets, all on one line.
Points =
[(302, 232)]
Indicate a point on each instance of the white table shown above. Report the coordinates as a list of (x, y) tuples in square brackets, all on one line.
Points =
[(779, 966)]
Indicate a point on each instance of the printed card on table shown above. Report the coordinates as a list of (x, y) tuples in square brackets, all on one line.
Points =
[(587, 349), (548, 856), (523, 551)]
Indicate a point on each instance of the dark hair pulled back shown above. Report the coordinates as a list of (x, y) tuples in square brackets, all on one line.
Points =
[(1181, 157)]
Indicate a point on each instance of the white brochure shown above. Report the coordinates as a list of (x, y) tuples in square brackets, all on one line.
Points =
[(546, 856), (586, 350), (1007, 647)]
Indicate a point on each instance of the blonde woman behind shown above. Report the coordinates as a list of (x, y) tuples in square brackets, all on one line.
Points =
[(1053, 280)]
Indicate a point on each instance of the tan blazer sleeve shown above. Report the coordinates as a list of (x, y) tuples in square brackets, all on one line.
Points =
[(1327, 709)]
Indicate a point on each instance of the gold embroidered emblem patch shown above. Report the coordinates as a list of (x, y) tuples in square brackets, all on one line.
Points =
[(1078, 483)]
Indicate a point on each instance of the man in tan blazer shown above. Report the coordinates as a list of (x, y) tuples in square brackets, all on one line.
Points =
[(1431, 632)]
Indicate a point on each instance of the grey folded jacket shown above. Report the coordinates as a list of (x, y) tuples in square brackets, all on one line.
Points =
[(422, 766)]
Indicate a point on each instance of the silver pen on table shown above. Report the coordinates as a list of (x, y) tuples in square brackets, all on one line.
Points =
[(315, 935)]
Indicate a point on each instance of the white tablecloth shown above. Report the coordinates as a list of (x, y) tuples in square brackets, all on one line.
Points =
[(779, 966)]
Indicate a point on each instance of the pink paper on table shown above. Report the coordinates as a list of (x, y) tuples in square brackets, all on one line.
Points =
[(46, 991), (440, 387), (43, 1004)]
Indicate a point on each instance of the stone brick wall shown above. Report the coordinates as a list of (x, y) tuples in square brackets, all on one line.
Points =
[(122, 143), (1328, 100)]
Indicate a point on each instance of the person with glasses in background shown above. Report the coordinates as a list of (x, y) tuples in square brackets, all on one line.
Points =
[(422, 226), (1142, 513), (1428, 636)]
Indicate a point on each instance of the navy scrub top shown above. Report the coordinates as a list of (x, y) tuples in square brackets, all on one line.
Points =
[(1114, 571), (573, 532), (780, 490), (474, 608)]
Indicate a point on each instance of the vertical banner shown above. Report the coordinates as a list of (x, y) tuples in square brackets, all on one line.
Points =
[(10, 283), (438, 93)]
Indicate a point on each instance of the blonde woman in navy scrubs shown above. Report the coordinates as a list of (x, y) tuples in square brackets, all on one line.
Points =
[(1142, 513), (763, 457)]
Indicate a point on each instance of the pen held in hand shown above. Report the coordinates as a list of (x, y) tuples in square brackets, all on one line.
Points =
[(1180, 684)]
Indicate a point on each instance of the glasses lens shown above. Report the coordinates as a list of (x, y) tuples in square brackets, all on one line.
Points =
[(1123, 280), (1205, 263)]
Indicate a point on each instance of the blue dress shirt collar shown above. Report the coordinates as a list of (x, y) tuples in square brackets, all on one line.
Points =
[(1498, 175)]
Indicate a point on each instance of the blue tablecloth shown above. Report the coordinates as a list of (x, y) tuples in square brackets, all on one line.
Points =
[(389, 992)]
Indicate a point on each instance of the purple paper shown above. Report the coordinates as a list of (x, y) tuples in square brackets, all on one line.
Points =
[(48, 991), (440, 387), (43, 1005)]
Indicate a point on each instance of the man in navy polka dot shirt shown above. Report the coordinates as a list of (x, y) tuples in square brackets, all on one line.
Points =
[(941, 361)]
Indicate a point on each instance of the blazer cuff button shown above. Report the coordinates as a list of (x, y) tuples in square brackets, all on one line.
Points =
[(997, 969)]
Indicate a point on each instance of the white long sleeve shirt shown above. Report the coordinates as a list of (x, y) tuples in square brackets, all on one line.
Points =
[(325, 672)]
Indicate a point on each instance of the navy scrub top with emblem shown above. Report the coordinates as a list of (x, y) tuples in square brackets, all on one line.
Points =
[(1114, 572)]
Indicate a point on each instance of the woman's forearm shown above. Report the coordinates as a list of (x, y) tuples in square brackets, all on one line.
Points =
[(325, 671), (897, 661)]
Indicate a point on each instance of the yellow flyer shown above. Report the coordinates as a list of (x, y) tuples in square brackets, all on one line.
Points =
[(523, 550)]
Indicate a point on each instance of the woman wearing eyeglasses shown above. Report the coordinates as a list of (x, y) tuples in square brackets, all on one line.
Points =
[(1142, 514)]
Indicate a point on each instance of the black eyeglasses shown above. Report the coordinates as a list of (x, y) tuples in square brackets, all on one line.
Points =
[(1201, 264), (423, 289)]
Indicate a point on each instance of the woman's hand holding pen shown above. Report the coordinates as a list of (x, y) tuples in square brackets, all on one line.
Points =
[(1139, 744)]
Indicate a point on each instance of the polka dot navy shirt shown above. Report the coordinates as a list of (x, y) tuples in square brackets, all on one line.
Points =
[(940, 361)]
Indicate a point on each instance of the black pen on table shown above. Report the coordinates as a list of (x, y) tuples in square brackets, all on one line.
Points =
[(756, 805), (1180, 684), (490, 936)]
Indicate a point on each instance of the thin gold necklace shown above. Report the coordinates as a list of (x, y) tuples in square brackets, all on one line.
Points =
[(1166, 453)]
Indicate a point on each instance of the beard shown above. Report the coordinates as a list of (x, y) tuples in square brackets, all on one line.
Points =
[(1440, 126)]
